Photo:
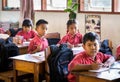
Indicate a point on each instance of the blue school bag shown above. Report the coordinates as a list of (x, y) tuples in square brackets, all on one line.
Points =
[(105, 48), (58, 62), (7, 49)]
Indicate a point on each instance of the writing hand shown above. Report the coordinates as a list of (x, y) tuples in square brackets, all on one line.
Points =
[(96, 65)]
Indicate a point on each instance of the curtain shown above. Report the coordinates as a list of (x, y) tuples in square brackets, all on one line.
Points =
[(26, 10)]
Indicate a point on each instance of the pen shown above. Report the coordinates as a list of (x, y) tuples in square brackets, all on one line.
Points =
[(108, 69)]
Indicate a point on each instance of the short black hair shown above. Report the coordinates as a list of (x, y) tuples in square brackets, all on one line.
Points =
[(41, 21), (27, 22), (92, 36), (70, 22)]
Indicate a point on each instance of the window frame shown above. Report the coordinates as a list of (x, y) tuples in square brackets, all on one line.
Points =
[(113, 6), (4, 4), (43, 7)]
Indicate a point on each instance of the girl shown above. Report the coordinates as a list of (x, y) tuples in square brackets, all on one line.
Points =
[(26, 31), (73, 37)]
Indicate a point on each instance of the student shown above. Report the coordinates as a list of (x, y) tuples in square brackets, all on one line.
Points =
[(2, 30), (90, 59), (73, 37), (13, 31), (118, 52), (26, 31), (39, 42)]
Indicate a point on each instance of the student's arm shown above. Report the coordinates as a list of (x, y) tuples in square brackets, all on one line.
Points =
[(33, 48), (36, 50), (94, 66), (81, 67), (109, 62)]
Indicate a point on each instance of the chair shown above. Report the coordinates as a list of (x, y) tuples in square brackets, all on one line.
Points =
[(53, 38), (7, 76), (47, 73)]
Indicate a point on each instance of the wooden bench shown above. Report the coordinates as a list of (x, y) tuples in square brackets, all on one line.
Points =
[(7, 76)]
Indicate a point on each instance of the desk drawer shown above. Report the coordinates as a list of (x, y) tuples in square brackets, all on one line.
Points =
[(29, 66), (24, 66)]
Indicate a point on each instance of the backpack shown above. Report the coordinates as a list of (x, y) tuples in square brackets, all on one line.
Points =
[(7, 49), (58, 62), (53, 41), (106, 47)]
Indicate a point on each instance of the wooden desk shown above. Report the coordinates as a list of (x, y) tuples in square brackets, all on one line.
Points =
[(27, 63), (23, 49), (112, 75)]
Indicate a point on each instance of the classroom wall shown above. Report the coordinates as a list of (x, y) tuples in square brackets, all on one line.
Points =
[(110, 25)]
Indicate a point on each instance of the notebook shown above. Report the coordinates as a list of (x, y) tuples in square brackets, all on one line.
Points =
[(116, 65)]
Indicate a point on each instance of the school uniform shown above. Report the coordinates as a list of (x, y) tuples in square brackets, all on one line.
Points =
[(72, 39), (27, 35), (83, 58), (118, 51), (1, 30), (37, 41)]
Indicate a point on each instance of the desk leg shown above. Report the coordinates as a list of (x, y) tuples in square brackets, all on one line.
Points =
[(14, 72), (36, 72), (77, 78)]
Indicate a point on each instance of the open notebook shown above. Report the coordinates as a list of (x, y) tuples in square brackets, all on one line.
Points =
[(116, 65), (100, 70)]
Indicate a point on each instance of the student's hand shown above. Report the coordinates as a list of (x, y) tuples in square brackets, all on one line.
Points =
[(70, 45), (78, 45), (95, 66), (58, 45), (30, 39), (107, 64), (39, 47)]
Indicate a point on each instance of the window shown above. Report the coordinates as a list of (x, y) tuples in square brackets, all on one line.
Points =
[(55, 5), (15, 4), (11, 4), (37, 4), (99, 6), (117, 6), (101, 3)]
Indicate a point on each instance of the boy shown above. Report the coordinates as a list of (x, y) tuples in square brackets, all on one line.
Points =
[(89, 59), (39, 42)]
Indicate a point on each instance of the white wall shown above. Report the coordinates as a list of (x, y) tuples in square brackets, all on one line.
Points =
[(110, 25), (57, 21)]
